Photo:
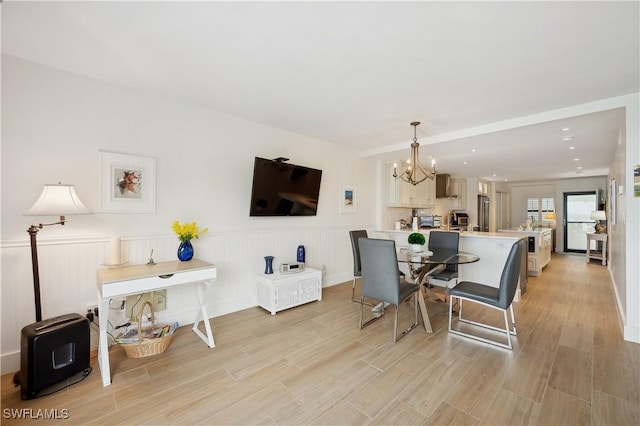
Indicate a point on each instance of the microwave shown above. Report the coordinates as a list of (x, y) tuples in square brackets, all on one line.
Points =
[(430, 221)]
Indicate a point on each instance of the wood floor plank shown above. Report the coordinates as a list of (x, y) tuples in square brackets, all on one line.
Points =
[(446, 415), (398, 413), (508, 408), (572, 372), (477, 387), (252, 409), (614, 374), (342, 414), (373, 397), (434, 382), (528, 373), (559, 408), (611, 410), (577, 334), (314, 402)]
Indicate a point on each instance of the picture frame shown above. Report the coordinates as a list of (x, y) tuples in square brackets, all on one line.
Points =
[(348, 199), (127, 183)]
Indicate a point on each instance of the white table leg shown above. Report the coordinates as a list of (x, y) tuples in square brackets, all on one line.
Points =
[(103, 344), (203, 289)]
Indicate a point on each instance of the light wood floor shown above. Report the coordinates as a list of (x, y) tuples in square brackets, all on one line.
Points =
[(312, 365)]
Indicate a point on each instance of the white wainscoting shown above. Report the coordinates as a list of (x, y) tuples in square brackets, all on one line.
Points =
[(68, 273)]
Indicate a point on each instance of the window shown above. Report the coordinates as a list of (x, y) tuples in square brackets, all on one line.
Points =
[(541, 210)]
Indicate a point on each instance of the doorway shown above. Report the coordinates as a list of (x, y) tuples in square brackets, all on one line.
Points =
[(577, 219)]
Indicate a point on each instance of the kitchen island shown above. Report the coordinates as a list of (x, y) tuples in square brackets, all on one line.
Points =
[(539, 247), (492, 247)]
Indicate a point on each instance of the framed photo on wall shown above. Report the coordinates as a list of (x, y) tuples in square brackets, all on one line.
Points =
[(348, 199), (128, 183)]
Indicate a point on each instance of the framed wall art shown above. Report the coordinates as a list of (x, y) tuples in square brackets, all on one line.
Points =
[(128, 183), (348, 199)]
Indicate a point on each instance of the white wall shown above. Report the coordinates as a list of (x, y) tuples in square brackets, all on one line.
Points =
[(629, 217), (53, 126)]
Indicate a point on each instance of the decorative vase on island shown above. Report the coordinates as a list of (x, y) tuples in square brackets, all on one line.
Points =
[(185, 251), (417, 248), (268, 267)]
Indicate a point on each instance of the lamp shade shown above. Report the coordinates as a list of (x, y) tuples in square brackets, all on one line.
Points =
[(598, 215), (58, 200)]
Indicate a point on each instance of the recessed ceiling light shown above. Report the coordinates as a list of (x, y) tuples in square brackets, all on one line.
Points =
[(566, 129), (572, 147), (579, 167), (567, 138), (576, 159), (494, 175), (473, 150), (464, 162)]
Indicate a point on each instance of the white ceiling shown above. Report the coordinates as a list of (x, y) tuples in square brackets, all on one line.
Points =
[(501, 77)]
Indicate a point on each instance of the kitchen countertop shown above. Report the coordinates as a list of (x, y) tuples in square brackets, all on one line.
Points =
[(525, 231), (463, 234)]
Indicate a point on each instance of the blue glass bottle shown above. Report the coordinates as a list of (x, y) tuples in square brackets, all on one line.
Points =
[(268, 266), (300, 254)]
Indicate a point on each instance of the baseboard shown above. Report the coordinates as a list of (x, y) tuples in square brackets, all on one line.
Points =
[(10, 362)]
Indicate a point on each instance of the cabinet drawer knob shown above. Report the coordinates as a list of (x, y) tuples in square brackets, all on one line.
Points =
[(165, 276)]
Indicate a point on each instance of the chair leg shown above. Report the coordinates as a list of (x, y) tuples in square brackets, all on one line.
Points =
[(395, 325), (506, 327), (411, 327), (505, 330), (362, 303), (353, 293)]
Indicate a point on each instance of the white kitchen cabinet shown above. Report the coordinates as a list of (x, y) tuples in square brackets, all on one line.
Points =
[(402, 194)]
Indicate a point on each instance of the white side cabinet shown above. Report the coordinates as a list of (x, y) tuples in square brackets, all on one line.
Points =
[(276, 292)]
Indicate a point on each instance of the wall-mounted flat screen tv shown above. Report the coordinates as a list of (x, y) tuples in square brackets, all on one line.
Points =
[(282, 189)]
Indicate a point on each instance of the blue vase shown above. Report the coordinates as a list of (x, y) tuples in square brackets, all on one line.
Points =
[(300, 255), (185, 251), (268, 267)]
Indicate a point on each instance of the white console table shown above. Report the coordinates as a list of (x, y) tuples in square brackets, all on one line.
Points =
[(276, 292), (597, 254), (136, 279)]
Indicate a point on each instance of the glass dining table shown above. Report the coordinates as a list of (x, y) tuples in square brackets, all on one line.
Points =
[(425, 263)]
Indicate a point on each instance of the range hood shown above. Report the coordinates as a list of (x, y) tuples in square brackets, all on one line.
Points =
[(443, 187)]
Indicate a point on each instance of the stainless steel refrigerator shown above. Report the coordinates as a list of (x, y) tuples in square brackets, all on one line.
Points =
[(483, 213)]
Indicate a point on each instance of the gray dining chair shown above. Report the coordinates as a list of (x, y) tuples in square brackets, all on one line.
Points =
[(381, 280), (449, 241), (500, 298), (357, 268)]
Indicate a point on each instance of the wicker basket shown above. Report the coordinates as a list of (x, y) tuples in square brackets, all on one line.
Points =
[(145, 346)]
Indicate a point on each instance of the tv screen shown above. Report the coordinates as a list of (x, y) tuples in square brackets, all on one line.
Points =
[(282, 189)]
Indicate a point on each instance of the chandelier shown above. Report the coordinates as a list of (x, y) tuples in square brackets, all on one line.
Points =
[(415, 173)]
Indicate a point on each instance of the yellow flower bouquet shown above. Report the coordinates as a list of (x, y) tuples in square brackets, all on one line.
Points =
[(187, 231)]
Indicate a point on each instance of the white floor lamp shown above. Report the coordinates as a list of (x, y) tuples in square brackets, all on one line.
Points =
[(55, 200)]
